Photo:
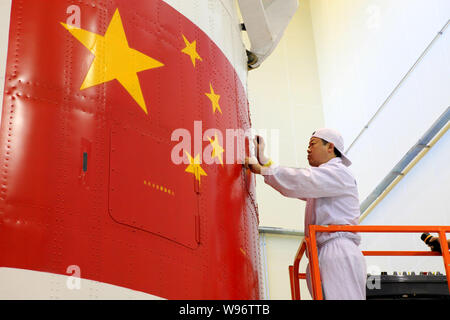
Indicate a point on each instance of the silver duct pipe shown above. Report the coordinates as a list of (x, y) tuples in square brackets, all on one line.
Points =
[(281, 231), (398, 170)]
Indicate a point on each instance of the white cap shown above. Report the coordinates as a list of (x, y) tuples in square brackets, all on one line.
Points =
[(335, 138)]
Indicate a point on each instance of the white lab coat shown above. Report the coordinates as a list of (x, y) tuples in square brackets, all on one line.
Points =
[(331, 196)]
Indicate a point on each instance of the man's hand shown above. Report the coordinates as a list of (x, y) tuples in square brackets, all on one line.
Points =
[(260, 146), (253, 165), (434, 244)]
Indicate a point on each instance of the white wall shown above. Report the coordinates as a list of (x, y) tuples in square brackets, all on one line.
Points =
[(284, 96), (420, 198), (280, 252), (360, 51), (364, 48)]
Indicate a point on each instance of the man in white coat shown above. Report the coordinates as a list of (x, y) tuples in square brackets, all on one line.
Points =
[(331, 196)]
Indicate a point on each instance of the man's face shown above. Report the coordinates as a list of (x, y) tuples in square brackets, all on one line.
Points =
[(318, 153)]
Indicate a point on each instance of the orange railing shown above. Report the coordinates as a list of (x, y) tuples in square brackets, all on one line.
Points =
[(309, 244)]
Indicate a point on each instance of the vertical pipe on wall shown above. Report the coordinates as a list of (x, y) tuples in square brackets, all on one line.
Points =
[(262, 241)]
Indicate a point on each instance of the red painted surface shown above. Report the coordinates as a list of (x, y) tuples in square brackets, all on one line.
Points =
[(196, 241)]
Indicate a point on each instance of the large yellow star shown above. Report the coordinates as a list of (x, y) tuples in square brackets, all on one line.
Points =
[(191, 50), (194, 167), (217, 148), (214, 99), (114, 59)]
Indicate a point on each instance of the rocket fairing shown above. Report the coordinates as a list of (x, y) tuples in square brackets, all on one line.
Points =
[(93, 92), (102, 191)]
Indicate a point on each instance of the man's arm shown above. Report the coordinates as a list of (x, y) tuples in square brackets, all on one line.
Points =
[(256, 168), (304, 183), (316, 182)]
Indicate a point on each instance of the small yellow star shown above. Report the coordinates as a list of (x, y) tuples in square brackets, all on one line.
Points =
[(194, 167), (217, 148), (214, 99), (191, 50)]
